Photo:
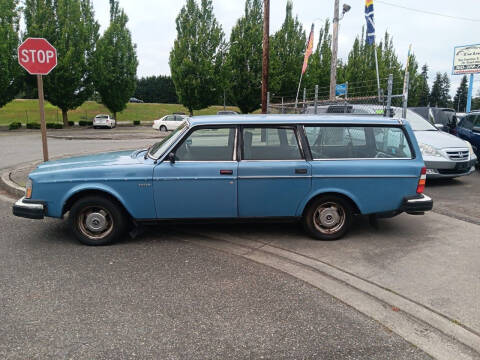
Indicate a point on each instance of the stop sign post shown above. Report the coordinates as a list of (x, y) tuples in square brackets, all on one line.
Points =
[(38, 57)]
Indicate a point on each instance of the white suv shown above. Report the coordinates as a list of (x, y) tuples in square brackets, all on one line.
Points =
[(103, 120), (168, 122)]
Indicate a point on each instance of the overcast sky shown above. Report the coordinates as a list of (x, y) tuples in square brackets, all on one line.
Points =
[(152, 23)]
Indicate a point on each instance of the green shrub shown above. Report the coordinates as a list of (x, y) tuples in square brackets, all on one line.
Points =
[(71, 123), (52, 125), (136, 122), (14, 125), (85, 123), (33, 125)]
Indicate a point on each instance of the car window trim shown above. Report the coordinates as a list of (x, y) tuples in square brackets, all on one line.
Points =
[(205, 126), (293, 127)]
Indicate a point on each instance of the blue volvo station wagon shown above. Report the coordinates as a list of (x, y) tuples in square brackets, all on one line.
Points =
[(321, 169)]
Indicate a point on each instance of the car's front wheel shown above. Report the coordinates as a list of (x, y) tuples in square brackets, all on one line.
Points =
[(97, 220), (328, 217)]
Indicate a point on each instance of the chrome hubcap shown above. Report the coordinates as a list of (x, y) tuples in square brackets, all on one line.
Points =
[(96, 222), (329, 218)]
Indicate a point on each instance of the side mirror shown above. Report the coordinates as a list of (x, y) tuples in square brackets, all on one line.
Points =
[(440, 126), (476, 129), (171, 158)]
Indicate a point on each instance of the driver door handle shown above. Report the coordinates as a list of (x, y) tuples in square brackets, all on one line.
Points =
[(226, 172)]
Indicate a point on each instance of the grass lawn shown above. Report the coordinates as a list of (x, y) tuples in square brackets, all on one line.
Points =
[(27, 110)]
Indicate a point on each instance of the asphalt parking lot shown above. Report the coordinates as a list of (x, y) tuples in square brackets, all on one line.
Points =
[(179, 292)]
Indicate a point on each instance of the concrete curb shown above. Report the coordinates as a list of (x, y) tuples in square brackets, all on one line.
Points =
[(9, 186)]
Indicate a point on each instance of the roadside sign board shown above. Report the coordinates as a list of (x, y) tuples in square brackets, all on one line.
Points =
[(466, 60), (37, 56)]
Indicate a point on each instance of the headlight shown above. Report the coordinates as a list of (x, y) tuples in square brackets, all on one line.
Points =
[(28, 189), (470, 149), (429, 150)]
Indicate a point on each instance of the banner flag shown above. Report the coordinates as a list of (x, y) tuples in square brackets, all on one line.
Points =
[(370, 22), (308, 51)]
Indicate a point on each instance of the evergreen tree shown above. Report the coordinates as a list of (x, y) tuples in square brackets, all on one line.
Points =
[(70, 26), (115, 62), (244, 60), (415, 82), (460, 99), (286, 56), (156, 89), (424, 89), (445, 93), (435, 98), (10, 74), (196, 60)]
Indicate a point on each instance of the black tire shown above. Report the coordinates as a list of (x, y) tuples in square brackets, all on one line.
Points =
[(328, 217), (163, 128), (97, 220)]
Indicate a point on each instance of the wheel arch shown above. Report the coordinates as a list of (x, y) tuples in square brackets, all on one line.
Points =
[(347, 197), (78, 193)]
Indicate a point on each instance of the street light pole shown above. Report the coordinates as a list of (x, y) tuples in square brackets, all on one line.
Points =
[(266, 50), (333, 65)]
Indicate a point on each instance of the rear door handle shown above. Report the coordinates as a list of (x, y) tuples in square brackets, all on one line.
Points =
[(300, 171), (226, 172)]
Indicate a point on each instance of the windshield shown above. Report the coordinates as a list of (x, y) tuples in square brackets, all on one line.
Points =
[(418, 123), (159, 148)]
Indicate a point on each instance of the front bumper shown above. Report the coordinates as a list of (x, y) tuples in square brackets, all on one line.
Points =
[(417, 204), (437, 169), (27, 209)]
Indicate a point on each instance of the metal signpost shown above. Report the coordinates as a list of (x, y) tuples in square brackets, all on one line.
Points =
[(38, 57), (466, 60)]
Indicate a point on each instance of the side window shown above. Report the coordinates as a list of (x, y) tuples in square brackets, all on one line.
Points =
[(346, 142), (476, 121), (207, 144), (468, 122), (170, 118), (272, 143), (391, 143)]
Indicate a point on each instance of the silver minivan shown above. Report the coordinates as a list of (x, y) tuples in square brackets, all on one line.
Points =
[(445, 155)]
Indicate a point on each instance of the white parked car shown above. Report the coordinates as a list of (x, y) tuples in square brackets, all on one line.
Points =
[(168, 122), (102, 120)]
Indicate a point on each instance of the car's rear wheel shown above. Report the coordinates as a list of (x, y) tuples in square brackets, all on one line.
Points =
[(163, 128), (97, 220), (328, 217)]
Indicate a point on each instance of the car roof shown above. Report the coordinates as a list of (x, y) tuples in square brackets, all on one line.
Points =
[(289, 119)]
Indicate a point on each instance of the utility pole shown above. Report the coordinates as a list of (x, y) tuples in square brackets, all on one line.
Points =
[(333, 65), (266, 53)]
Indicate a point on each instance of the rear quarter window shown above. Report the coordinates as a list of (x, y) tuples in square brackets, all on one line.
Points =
[(353, 142)]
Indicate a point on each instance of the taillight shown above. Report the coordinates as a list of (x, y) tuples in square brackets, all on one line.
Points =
[(422, 180)]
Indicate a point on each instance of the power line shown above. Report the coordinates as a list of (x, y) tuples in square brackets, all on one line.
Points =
[(429, 12)]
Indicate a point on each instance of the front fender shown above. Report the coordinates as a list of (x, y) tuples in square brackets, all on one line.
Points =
[(95, 187), (330, 190)]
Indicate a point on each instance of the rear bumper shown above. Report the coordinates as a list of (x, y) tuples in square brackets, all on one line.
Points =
[(30, 210), (417, 204)]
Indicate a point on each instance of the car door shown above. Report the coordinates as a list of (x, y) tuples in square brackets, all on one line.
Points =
[(475, 133), (273, 175), (464, 128), (170, 122), (202, 180)]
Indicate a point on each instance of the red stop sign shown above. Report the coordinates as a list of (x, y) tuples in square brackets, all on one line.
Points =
[(37, 56)]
